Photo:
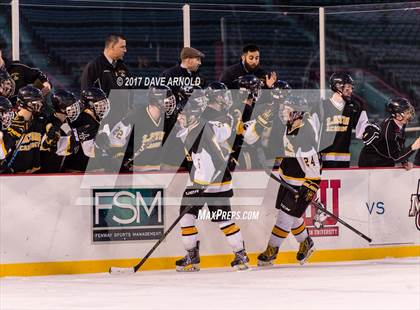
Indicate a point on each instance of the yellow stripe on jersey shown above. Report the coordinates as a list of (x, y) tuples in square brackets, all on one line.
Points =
[(297, 179), (298, 230), (230, 229), (278, 232), (188, 231), (335, 153), (3, 151), (214, 183)]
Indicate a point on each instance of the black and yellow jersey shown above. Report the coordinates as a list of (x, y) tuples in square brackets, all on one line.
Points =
[(146, 135), (337, 122), (26, 157)]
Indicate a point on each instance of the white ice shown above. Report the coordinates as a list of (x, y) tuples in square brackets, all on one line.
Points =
[(379, 284)]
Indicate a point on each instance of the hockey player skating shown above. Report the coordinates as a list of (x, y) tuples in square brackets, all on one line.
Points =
[(299, 167), (210, 184)]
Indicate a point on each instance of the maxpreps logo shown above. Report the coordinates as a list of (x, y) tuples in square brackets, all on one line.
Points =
[(122, 214), (320, 224), (415, 206)]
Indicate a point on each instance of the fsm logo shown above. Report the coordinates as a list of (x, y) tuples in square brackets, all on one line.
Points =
[(415, 206), (320, 224), (127, 214)]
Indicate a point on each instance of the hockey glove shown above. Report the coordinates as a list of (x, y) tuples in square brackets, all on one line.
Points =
[(102, 141), (265, 120), (17, 127), (306, 193), (52, 136), (86, 132), (372, 133)]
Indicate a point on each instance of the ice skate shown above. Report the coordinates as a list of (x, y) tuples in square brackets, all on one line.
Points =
[(306, 249), (267, 257), (240, 261), (190, 262)]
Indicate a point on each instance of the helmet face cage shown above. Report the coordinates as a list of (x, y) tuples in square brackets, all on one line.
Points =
[(73, 111), (223, 98), (7, 87), (292, 110), (102, 108), (193, 109), (6, 119), (169, 105)]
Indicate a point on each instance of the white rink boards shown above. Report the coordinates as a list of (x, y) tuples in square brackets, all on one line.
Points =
[(47, 223)]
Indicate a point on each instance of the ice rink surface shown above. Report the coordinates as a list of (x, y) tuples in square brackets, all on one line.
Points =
[(379, 284)]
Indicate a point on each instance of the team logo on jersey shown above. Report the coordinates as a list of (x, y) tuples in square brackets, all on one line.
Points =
[(320, 224), (415, 206), (125, 214)]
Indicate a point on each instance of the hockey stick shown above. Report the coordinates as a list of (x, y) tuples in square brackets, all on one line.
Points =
[(15, 152), (320, 207), (134, 269)]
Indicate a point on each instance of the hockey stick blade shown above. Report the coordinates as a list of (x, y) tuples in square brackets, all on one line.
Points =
[(121, 270)]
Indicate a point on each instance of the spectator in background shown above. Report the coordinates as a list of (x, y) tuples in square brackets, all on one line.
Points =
[(249, 64), (385, 144), (23, 75), (104, 70)]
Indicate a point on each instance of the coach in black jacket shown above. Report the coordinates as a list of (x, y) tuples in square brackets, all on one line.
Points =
[(108, 70), (249, 64)]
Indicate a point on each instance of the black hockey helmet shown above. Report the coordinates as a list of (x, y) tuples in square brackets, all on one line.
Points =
[(250, 85), (6, 112), (218, 93), (162, 97), (30, 98), (280, 90), (96, 100), (7, 84), (292, 109), (65, 102), (338, 80), (400, 106)]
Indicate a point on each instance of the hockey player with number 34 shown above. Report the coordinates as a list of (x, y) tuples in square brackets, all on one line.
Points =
[(299, 168)]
